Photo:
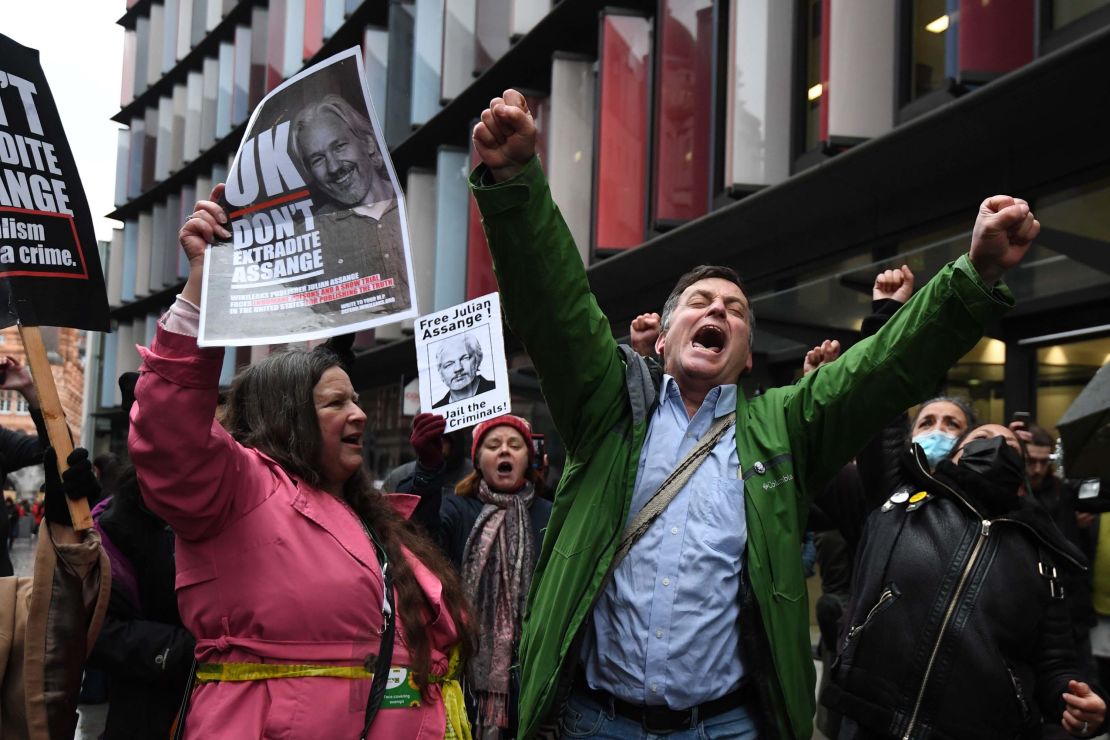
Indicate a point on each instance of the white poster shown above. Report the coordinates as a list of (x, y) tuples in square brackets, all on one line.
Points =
[(319, 241), (460, 353)]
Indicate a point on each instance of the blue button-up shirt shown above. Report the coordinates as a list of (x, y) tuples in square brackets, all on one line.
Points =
[(665, 631)]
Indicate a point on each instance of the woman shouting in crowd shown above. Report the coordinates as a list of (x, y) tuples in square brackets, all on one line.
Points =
[(492, 530), (304, 586)]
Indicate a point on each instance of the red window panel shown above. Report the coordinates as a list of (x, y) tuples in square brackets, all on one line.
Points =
[(994, 37), (313, 27), (623, 97), (479, 265), (275, 45), (683, 112)]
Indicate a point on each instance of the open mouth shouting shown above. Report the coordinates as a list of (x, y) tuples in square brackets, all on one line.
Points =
[(710, 338), (353, 439)]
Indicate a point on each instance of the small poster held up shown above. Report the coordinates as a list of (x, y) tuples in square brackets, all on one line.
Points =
[(460, 353), (319, 230)]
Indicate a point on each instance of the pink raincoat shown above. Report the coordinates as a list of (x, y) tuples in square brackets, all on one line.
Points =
[(269, 569)]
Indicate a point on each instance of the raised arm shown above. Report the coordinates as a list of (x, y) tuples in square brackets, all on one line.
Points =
[(541, 279), (879, 462), (191, 472), (836, 409), (19, 449)]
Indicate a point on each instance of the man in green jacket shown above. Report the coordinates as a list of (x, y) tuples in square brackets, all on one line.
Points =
[(703, 626)]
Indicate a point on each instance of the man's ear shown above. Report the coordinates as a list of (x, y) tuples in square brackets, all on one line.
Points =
[(660, 342)]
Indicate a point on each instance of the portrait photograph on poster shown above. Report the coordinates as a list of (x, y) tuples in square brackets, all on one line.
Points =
[(319, 230), (461, 358)]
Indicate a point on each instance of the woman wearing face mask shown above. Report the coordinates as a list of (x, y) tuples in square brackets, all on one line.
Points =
[(939, 424), (957, 626), (492, 530)]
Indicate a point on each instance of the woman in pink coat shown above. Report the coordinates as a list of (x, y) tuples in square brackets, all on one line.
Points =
[(278, 571)]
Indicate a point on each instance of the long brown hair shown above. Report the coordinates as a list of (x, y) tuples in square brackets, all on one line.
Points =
[(271, 409)]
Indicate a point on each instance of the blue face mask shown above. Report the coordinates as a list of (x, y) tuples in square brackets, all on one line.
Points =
[(936, 445)]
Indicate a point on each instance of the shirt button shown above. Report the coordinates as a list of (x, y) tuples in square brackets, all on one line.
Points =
[(659, 634), (655, 688), (666, 581), (674, 530)]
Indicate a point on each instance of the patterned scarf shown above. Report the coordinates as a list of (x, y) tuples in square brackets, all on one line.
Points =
[(497, 571)]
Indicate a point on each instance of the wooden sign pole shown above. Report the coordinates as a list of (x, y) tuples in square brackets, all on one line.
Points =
[(53, 415)]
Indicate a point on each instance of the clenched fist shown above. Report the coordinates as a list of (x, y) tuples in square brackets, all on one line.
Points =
[(505, 138), (1003, 233)]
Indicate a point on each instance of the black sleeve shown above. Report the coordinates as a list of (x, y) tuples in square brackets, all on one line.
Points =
[(40, 427), (1057, 664), (879, 462), (842, 506), (428, 485), (139, 648), (19, 449)]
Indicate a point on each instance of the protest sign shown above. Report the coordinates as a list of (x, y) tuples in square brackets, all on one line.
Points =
[(49, 265), (319, 241), (460, 353)]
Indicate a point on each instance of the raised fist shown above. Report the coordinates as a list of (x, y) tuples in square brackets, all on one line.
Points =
[(505, 138), (643, 332), (894, 284), (1003, 233), (822, 354)]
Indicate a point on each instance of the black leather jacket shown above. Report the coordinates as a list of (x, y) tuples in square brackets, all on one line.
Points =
[(957, 626)]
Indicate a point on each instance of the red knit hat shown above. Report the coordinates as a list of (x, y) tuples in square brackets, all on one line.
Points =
[(508, 420)]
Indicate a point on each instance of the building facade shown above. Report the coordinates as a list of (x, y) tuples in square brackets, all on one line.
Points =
[(65, 350), (807, 143)]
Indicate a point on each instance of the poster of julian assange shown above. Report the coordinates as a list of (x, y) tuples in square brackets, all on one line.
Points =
[(460, 354), (319, 232)]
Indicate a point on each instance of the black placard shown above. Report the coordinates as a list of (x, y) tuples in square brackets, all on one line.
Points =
[(50, 269)]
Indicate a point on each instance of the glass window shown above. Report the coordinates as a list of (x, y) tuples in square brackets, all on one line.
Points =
[(815, 81), (683, 110), (1065, 12), (1062, 372), (978, 377), (932, 34), (623, 95)]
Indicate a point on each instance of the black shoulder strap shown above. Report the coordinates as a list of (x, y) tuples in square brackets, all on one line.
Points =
[(385, 650), (179, 723)]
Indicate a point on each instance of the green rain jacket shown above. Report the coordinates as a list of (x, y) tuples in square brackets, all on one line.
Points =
[(790, 441)]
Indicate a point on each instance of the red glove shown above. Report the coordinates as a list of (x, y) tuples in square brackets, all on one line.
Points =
[(427, 431)]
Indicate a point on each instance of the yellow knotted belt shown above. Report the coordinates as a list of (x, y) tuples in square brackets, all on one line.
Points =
[(458, 726)]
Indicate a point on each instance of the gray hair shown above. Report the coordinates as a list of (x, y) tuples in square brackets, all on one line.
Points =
[(960, 403), (337, 105), (699, 273), (473, 346)]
